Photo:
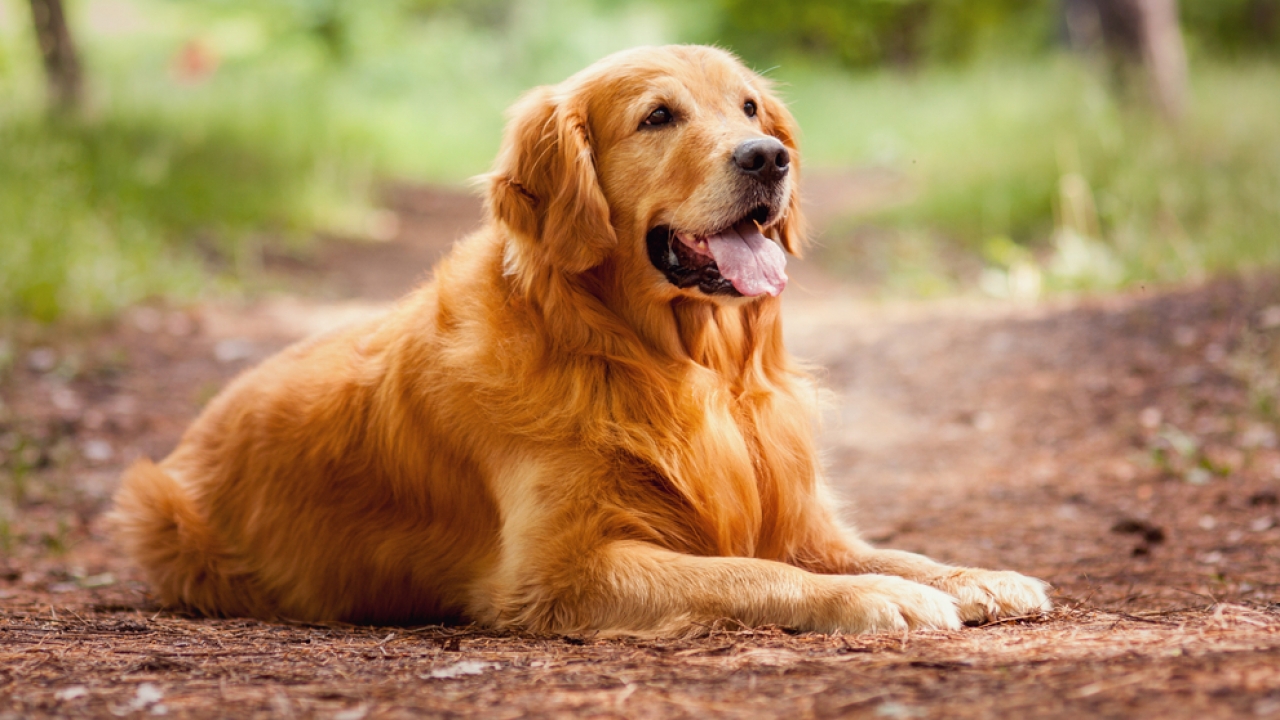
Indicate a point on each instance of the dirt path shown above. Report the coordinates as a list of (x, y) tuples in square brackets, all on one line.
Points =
[(1123, 448)]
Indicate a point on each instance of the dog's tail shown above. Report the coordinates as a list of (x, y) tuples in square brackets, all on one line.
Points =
[(159, 526)]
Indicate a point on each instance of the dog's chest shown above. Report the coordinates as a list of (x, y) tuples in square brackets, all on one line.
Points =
[(744, 470)]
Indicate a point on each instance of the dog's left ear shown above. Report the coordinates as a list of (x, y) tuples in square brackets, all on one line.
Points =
[(544, 185), (777, 121)]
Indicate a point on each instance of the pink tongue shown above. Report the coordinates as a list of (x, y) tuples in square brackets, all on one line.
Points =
[(752, 262)]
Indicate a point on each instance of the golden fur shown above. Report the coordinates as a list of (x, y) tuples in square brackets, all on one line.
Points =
[(548, 435)]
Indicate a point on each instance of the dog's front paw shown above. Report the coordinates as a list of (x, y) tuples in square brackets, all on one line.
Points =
[(881, 603), (994, 594)]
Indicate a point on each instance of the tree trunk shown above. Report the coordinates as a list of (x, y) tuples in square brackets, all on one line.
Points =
[(61, 63), (1164, 54), (1136, 32)]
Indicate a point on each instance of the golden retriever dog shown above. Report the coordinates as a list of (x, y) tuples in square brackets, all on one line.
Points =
[(585, 422)]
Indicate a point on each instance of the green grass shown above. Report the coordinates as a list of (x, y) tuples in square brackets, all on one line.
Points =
[(415, 96), (157, 189), (1020, 175), (1040, 168), (100, 214), (164, 173)]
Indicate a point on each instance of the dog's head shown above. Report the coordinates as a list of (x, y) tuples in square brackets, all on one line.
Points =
[(675, 165)]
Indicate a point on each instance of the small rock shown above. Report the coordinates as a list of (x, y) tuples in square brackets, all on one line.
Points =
[(179, 324), (1151, 533), (1198, 476), (1269, 318), (233, 350), (1262, 524), (1258, 436), (382, 225), (147, 695), (97, 450), (1184, 336), (42, 359), (458, 669), (1207, 522), (891, 709), (1267, 707), (65, 399), (1264, 497), (100, 580), (148, 320), (71, 693)]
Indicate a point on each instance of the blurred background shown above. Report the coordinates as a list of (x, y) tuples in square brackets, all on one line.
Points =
[(163, 148)]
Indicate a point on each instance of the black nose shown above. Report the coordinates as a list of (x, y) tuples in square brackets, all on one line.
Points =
[(765, 158)]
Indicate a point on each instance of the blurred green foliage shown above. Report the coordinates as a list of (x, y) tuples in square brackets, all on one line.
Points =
[(98, 214), (217, 128), (863, 33), (1038, 167), (870, 32), (1233, 28)]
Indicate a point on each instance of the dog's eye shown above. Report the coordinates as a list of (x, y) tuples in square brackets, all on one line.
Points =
[(661, 116), (749, 107)]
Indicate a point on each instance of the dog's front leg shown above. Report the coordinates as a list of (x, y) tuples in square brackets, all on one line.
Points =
[(634, 587), (983, 594)]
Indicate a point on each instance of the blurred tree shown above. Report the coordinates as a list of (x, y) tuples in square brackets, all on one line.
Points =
[(58, 51), (1142, 34)]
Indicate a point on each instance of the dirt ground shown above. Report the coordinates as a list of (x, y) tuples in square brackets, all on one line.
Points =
[(1123, 448)]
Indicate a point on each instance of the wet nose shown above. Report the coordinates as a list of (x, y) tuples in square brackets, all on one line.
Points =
[(765, 158)]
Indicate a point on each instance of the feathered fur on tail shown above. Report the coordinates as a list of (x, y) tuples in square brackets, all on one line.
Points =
[(161, 529)]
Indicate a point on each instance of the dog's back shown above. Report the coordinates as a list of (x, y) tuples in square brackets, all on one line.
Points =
[(308, 490)]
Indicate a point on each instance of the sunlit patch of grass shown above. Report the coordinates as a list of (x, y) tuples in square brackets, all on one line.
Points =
[(420, 96), (95, 215), (149, 196), (1043, 156), (177, 175), (174, 177)]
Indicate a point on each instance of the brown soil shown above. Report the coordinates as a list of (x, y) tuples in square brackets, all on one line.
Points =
[(1123, 448)]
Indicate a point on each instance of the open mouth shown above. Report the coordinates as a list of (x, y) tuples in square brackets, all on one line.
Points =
[(736, 260)]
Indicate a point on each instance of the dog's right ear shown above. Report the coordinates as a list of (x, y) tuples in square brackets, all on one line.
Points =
[(544, 185)]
